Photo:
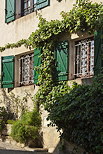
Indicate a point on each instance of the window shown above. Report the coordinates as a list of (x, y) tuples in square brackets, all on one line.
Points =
[(16, 9), (28, 6), (19, 70), (84, 58), (26, 70), (32, 5)]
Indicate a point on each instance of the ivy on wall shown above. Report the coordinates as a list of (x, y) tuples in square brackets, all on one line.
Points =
[(85, 16)]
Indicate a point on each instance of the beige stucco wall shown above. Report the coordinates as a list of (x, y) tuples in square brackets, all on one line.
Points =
[(21, 29), (24, 26)]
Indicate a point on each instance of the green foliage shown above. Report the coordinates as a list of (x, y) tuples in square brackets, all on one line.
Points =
[(10, 121), (27, 129), (77, 110), (14, 45), (79, 113), (57, 92), (31, 118), (46, 75), (84, 17), (57, 98), (23, 133), (4, 116)]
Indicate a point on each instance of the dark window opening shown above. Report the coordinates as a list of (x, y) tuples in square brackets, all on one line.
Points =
[(28, 6)]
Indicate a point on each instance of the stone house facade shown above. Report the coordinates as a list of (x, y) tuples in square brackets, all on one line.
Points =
[(18, 20)]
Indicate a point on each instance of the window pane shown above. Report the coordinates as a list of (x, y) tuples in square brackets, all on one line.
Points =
[(26, 69), (25, 5), (29, 3), (34, 1), (84, 58), (34, 4)]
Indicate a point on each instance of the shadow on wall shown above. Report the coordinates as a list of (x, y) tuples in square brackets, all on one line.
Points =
[(64, 147), (59, 0), (15, 104)]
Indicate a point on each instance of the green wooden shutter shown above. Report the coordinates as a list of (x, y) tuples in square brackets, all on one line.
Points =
[(41, 3), (7, 72), (98, 52), (62, 60), (37, 62), (9, 11)]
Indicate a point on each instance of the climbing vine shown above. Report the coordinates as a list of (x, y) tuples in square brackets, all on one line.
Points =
[(85, 16), (46, 71)]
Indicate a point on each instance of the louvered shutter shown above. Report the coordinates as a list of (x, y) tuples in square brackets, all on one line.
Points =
[(98, 52), (7, 72), (9, 11), (37, 62), (41, 3), (62, 60)]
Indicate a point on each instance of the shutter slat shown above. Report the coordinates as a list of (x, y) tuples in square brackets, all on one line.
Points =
[(37, 62), (41, 4), (10, 11), (7, 78), (98, 51), (61, 56), (7, 82), (8, 60)]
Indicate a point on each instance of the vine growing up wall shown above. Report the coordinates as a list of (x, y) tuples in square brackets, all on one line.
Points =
[(85, 16)]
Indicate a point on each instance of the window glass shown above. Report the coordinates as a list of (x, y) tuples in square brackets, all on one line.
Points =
[(34, 1), (29, 3), (84, 58), (34, 4), (26, 69), (25, 5), (29, 6)]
